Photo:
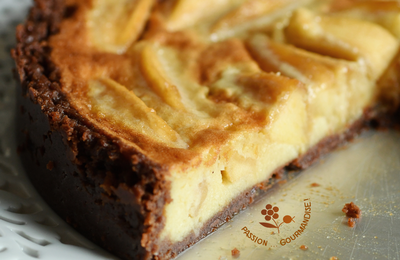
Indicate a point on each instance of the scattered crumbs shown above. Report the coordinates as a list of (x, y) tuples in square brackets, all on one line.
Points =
[(390, 214), (314, 184), (352, 210), (282, 182), (303, 247), (272, 233), (375, 237), (329, 188), (333, 258), (222, 258), (235, 253), (351, 222)]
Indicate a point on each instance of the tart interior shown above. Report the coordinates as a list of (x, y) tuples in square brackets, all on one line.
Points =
[(222, 93)]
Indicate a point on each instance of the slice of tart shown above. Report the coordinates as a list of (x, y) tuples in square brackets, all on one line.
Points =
[(147, 124)]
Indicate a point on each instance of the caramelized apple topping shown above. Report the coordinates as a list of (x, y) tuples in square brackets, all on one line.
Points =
[(152, 70), (249, 10), (384, 13), (239, 64), (115, 26), (185, 13), (114, 104), (343, 38)]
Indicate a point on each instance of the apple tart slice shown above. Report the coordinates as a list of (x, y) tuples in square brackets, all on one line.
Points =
[(147, 124)]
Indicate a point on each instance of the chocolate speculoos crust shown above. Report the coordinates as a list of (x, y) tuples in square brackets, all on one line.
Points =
[(70, 162), (79, 158)]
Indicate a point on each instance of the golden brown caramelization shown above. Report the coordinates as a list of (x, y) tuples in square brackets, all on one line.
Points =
[(183, 80), (218, 95)]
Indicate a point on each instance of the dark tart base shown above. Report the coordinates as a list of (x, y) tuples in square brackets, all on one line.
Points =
[(70, 163), (111, 194), (76, 193)]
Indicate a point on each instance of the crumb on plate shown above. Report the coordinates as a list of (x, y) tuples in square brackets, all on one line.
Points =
[(235, 253), (352, 210), (351, 222), (303, 247)]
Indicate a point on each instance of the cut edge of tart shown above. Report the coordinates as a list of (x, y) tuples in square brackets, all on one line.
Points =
[(160, 126)]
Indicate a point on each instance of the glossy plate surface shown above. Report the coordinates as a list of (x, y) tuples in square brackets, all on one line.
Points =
[(366, 172)]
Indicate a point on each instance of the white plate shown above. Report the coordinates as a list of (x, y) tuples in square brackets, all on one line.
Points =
[(366, 172)]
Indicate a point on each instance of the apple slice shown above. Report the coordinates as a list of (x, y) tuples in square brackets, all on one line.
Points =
[(114, 27), (384, 13), (252, 15), (121, 108), (157, 78), (186, 13), (337, 90), (221, 55), (343, 38), (251, 9)]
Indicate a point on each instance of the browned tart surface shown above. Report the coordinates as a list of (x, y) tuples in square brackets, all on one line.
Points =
[(146, 124)]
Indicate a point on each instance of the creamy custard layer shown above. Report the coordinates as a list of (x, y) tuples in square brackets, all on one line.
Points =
[(222, 104)]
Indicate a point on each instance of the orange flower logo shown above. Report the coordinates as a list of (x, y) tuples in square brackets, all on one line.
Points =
[(271, 213)]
